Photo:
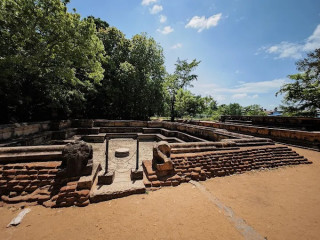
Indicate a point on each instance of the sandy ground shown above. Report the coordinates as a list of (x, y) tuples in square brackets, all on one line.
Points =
[(281, 203)]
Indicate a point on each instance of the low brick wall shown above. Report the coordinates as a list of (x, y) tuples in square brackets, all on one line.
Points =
[(302, 123), (28, 182), (42, 183), (205, 165), (38, 175), (298, 137)]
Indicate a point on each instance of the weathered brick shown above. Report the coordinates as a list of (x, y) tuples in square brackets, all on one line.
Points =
[(155, 183), (84, 192), (53, 171), (195, 176), (82, 204), (24, 182), (147, 183), (44, 176), (165, 183), (175, 183), (43, 197), (18, 188), (22, 177), (9, 172)]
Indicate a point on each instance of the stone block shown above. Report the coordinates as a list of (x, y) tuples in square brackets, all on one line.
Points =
[(76, 156), (136, 174), (106, 178)]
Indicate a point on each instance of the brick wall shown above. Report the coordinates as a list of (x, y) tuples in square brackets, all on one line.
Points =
[(201, 166), (42, 183), (297, 137)]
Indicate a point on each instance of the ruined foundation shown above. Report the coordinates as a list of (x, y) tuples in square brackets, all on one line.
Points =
[(61, 164)]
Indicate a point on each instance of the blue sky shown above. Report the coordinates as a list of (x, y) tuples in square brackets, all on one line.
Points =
[(246, 47)]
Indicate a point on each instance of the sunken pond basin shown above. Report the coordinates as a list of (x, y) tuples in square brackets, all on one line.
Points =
[(78, 162)]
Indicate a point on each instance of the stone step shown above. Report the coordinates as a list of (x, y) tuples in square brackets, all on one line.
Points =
[(31, 156), (202, 149), (97, 138), (120, 129), (116, 190), (87, 131), (31, 149), (64, 134), (147, 165)]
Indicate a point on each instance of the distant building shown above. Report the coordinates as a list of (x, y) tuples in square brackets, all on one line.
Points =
[(275, 112)]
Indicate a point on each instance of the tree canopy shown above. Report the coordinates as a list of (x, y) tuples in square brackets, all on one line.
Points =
[(302, 97), (56, 65), (53, 64), (181, 78), (49, 58)]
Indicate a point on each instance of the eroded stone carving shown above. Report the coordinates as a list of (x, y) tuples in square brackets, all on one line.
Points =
[(75, 157), (161, 158)]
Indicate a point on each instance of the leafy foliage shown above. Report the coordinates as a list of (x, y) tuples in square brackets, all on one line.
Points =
[(302, 97), (181, 78), (132, 87), (49, 58), (254, 110), (188, 104), (55, 65)]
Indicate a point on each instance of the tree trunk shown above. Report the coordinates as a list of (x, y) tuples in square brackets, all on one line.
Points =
[(172, 108)]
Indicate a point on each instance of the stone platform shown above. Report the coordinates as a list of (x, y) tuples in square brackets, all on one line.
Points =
[(123, 184)]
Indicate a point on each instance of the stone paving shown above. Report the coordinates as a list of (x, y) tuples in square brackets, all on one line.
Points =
[(122, 184)]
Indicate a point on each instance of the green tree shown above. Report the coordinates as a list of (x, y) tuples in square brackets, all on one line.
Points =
[(302, 97), (230, 109), (188, 104), (210, 105), (149, 71), (254, 110), (100, 24), (180, 79), (49, 60), (132, 87), (107, 99)]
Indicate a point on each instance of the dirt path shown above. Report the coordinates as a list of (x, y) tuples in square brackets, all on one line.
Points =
[(172, 213), (282, 203)]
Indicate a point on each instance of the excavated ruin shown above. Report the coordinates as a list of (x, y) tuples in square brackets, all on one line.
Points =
[(78, 162)]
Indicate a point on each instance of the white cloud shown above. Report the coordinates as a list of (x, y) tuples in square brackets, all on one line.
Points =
[(254, 87), (244, 95), (220, 98), (148, 2), (286, 50), (178, 45), (243, 89), (163, 18), (294, 50), (156, 9), (313, 41), (166, 30), (202, 23), (239, 95)]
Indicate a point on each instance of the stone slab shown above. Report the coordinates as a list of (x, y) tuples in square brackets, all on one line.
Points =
[(122, 152), (116, 190)]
